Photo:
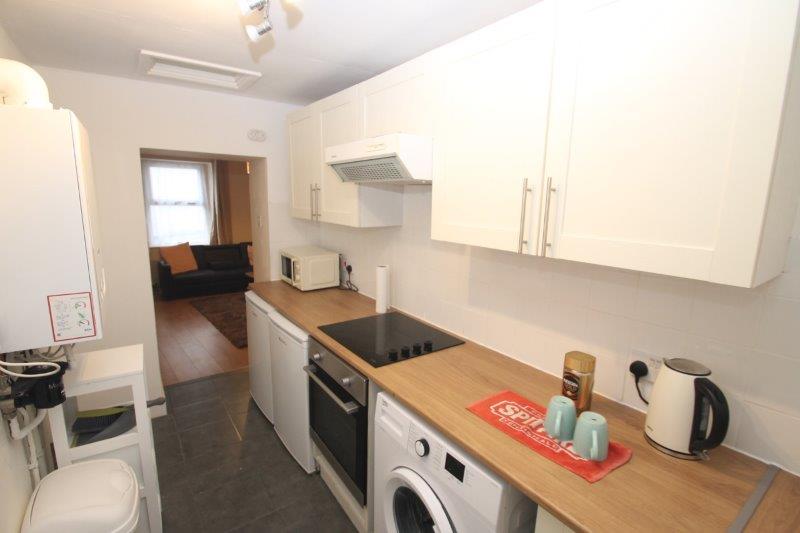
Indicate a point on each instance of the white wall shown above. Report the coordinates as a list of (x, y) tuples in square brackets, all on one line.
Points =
[(15, 485), (9, 50), (125, 115), (536, 310)]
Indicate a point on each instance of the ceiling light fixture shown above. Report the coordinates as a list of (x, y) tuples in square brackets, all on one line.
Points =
[(256, 31), (195, 71)]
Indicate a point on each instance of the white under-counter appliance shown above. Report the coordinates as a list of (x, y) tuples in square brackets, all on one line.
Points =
[(288, 354), (258, 352), (53, 276), (397, 158), (309, 267), (425, 483)]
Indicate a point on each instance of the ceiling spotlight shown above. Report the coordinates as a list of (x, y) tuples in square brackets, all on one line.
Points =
[(248, 6), (257, 32)]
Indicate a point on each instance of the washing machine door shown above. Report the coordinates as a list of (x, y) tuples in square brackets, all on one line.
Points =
[(411, 506)]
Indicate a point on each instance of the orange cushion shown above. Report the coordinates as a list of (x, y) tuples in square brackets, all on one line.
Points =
[(179, 257)]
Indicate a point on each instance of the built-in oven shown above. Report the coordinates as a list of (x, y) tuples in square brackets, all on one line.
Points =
[(338, 416)]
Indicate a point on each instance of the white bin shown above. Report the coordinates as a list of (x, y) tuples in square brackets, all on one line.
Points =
[(99, 496)]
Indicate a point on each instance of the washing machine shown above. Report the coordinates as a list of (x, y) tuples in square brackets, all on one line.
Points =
[(424, 483)]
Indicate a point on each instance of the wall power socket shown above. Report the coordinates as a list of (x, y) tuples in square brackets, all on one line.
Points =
[(653, 363)]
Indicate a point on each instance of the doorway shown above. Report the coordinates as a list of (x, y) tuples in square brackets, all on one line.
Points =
[(205, 224)]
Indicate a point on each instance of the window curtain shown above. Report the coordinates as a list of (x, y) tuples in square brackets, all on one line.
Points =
[(179, 198), (222, 230)]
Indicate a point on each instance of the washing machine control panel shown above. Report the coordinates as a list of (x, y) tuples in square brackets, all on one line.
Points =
[(455, 467), (422, 448), (457, 471)]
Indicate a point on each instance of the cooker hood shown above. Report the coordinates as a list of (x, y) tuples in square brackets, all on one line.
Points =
[(398, 158)]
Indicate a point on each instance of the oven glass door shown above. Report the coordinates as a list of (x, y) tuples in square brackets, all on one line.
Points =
[(344, 435)]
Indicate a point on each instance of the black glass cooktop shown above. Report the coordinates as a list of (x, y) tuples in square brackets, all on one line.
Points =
[(389, 338)]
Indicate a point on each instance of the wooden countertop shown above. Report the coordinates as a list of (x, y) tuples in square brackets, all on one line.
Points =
[(653, 492)]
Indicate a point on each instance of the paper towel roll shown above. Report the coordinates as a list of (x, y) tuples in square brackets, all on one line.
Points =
[(382, 288)]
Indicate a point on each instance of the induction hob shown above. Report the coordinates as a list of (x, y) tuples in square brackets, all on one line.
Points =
[(389, 338)]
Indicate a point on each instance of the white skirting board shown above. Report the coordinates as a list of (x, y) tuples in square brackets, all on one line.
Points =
[(354, 511)]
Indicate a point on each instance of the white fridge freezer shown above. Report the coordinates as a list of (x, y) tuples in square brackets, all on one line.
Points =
[(258, 351), (289, 352)]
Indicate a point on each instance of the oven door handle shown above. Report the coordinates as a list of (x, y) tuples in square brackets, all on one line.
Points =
[(348, 407)]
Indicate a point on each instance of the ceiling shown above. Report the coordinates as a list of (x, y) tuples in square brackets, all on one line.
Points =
[(317, 47)]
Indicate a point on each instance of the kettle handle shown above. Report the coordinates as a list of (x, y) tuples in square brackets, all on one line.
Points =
[(705, 389)]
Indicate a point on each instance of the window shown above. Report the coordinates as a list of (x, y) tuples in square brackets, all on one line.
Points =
[(178, 201)]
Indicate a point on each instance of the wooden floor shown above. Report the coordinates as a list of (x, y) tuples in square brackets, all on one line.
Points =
[(189, 346)]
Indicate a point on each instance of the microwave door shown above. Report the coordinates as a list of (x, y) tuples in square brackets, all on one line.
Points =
[(287, 268)]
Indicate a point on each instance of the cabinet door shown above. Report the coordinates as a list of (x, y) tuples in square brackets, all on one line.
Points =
[(399, 100), (663, 128), (304, 159), (493, 90), (340, 122)]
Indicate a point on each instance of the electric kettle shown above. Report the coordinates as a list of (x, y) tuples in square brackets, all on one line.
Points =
[(687, 414)]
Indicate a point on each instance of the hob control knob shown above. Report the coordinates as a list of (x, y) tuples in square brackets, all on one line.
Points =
[(347, 381), (428, 346), (422, 448), (316, 356), (417, 348), (405, 351), (392, 354)]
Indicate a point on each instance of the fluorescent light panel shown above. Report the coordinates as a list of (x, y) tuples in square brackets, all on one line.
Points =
[(195, 71)]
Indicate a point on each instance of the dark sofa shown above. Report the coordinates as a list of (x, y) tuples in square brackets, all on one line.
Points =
[(221, 268)]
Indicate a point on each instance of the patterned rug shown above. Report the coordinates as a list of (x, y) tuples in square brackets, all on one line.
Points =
[(227, 313)]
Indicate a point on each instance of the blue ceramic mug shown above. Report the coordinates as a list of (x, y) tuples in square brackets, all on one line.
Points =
[(560, 419), (591, 436)]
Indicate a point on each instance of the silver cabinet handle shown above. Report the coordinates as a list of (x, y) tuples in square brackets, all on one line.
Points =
[(525, 191), (348, 407), (313, 209), (546, 224), (317, 211)]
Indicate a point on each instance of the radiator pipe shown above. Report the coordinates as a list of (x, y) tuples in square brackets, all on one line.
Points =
[(7, 408)]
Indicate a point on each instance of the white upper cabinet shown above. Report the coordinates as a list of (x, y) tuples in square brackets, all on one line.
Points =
[(340, 121), (664, 133), (491, 103), (317, 192), (399, 100), (305, 160), (639, 134)]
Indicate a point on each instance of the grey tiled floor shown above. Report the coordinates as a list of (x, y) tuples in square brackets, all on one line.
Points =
[(222, 468)]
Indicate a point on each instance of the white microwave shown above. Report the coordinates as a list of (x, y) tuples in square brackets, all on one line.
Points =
[(310, 267)]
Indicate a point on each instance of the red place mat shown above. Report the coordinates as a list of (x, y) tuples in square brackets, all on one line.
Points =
[(523, 420)]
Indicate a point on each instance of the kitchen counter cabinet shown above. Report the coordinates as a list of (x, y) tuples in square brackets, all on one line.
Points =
[(653, 492)]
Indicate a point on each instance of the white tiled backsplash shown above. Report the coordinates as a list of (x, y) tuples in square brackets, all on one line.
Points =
[(536, 310)]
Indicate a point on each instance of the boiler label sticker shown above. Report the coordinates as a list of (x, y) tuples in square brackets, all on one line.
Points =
[(71, 316)]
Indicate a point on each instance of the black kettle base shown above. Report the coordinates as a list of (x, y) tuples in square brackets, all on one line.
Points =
[(673, 453)]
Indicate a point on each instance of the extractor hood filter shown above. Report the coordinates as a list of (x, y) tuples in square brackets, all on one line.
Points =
[(379, 169), (396, 158)]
